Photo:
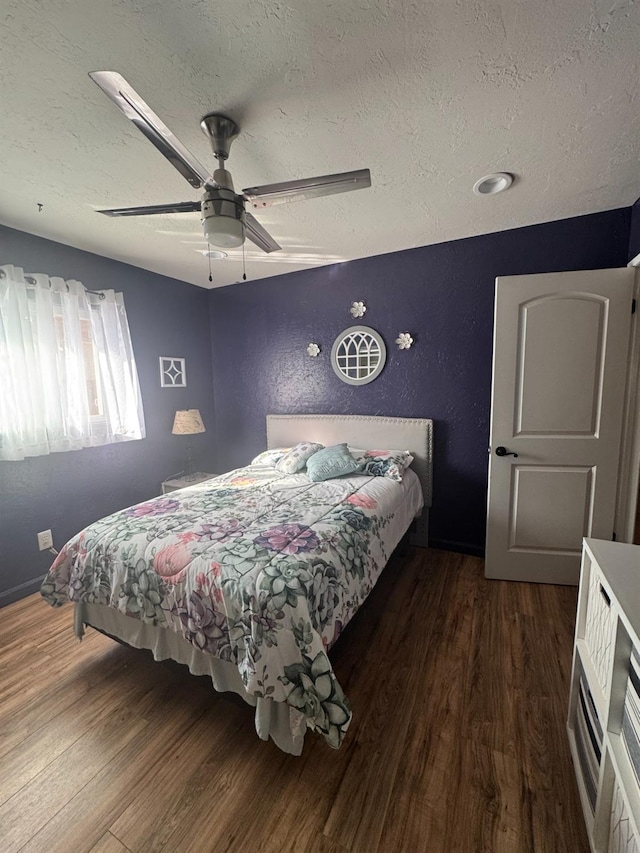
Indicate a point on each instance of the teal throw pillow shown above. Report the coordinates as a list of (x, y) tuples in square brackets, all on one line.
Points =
[(334, 461)]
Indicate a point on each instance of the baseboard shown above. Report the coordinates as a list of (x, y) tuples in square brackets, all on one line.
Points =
[(20, 591), (458, 547)]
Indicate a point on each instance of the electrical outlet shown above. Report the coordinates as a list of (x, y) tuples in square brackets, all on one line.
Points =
[(45, 540)]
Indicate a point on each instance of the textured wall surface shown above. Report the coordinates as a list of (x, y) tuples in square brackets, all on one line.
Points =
[(443, 295), (66, 491), (634, 231)]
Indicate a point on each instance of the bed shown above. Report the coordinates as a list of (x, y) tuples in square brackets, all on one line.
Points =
[(251, 577)]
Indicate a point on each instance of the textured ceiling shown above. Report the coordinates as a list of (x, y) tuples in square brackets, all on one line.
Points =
[(429, 95)]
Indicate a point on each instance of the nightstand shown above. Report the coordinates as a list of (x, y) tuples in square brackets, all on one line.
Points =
[(181, 481)]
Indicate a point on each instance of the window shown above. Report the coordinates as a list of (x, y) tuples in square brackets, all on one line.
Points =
[(67, 373), (90, 359), (90, 369)]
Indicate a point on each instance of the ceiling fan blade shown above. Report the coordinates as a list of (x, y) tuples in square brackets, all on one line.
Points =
[(131, 104), (151, 209), (259, 235), (270, 194)]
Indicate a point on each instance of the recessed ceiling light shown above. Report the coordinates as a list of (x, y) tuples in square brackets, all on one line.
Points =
[(213, 253), (492, 184)]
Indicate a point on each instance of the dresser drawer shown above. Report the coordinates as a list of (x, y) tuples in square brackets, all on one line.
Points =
[(631, 715), (599, 628), (622, 834), (587, 730)]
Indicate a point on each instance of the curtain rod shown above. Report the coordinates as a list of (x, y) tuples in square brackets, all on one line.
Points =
[(32, 283)]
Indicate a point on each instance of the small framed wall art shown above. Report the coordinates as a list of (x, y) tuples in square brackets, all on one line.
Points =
[(173, 372)]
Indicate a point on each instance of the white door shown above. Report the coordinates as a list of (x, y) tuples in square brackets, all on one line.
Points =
[(560, 352)]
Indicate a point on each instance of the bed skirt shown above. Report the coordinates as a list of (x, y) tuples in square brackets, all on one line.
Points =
[(275, 720)]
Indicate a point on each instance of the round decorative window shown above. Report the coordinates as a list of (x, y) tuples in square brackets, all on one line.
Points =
[(358, 355)]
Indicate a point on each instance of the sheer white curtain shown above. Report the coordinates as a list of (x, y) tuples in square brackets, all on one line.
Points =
[(68, 376)]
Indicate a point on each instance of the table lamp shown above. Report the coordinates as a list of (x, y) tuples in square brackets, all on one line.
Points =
[(188, 422)]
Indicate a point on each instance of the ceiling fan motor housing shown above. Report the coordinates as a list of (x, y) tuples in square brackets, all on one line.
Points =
[(223, 217)]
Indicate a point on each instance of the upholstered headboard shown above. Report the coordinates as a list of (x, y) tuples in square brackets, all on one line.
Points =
[(365, 431)]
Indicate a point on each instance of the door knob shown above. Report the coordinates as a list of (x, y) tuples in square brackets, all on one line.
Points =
[(502, 451)]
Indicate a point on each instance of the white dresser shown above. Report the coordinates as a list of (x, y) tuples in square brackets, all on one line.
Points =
[(604, 705)]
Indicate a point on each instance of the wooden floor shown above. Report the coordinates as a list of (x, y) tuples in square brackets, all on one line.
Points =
[(459, 690)]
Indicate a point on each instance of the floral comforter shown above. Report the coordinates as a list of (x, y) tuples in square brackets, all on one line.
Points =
[(254, 567)]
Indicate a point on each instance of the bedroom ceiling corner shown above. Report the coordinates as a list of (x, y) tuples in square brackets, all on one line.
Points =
[(430, 97)]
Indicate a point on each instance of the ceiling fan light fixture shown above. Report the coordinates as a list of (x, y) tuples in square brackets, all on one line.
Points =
[(224, 231), (223, 218), (493, 184)]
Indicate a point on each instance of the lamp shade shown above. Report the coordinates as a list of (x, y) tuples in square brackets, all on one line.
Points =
[(187, 422)]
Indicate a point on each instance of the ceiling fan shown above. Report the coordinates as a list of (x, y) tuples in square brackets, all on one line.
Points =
[(225, 220)]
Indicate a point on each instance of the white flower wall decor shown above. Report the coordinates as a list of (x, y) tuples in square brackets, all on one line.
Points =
[(313, 350), (358, 309), (404, 340)]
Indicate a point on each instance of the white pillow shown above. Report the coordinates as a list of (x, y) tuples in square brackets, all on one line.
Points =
[(296, 458), (270, 457)]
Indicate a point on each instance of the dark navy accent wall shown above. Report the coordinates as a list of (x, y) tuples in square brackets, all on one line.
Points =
[(634, 231), (66, 491), (443, 295)]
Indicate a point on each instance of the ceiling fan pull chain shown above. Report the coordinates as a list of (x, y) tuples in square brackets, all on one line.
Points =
[(244, 238), (209, 257)]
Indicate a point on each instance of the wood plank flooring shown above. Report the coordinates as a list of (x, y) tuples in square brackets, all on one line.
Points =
[(459, 689)]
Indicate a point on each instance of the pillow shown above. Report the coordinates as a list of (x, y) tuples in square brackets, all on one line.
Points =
[(334, 461), (383, 463), (296, 458), (270, 457)]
